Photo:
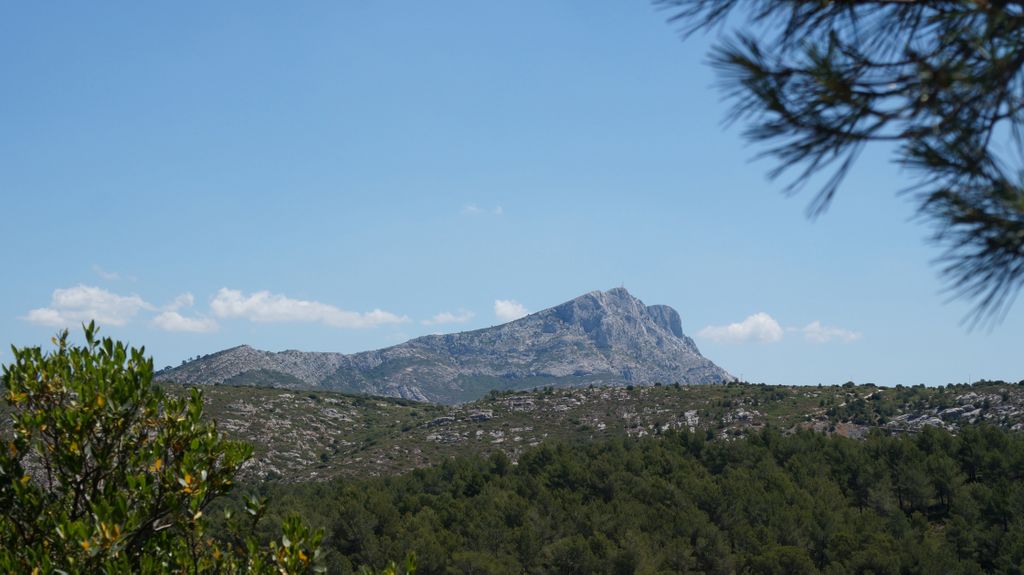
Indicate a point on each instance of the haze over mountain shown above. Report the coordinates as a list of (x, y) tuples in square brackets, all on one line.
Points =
[(606, 337)]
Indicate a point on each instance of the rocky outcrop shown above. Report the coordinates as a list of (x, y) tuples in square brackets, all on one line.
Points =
[(606, 337), (667, 318)]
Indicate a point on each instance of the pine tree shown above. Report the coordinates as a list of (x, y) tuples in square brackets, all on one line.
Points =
[(940, 81)]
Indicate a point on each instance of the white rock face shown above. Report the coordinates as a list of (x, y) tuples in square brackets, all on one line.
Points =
[(600, 337)]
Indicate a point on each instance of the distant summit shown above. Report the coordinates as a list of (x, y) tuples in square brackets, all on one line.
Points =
[(608, 338)]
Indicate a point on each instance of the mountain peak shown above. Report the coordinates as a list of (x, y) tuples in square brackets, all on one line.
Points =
[(613, 297), (665, 316), (620, 291), (601, 337), (595, 308)]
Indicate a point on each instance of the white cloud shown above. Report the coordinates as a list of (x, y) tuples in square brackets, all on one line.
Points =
[(263, 306), (760, 327), (47, 316), (448, 317), (509, 309), (82, 303), (173, 321), (498, 210), (817, 333)]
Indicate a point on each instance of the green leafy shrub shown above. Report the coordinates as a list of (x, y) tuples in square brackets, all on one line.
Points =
[(100, 471)]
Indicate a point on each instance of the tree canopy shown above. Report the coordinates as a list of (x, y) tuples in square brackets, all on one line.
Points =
[(939, 80), (769, 502)]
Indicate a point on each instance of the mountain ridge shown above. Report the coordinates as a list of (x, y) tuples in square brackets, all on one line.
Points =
[(603, 337)]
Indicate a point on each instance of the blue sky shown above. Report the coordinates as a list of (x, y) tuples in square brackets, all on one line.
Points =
[(343, 176)]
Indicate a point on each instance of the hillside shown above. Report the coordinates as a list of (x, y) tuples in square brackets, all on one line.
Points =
[(604, 338), (319, 435)]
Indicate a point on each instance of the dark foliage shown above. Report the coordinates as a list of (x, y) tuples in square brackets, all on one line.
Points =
[(806, 503)]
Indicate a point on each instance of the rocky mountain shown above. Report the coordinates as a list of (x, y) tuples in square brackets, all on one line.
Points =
[(608, 338)]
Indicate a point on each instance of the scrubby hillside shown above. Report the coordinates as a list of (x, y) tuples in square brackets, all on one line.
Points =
[(302, 435)]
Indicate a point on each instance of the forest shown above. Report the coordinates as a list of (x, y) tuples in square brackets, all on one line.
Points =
[(806, 502)]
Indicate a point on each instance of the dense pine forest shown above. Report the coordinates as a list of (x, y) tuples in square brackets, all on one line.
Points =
[(928, 502)]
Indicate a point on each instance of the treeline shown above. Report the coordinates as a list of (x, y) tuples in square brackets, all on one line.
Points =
[(805, 503)]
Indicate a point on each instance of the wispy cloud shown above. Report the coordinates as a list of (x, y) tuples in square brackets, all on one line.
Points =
[(82, 303), (104, 274), (445, 317), (111, 276), (509, 309), (475, 210), (263, 306), (817, 333), (760, 328)]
